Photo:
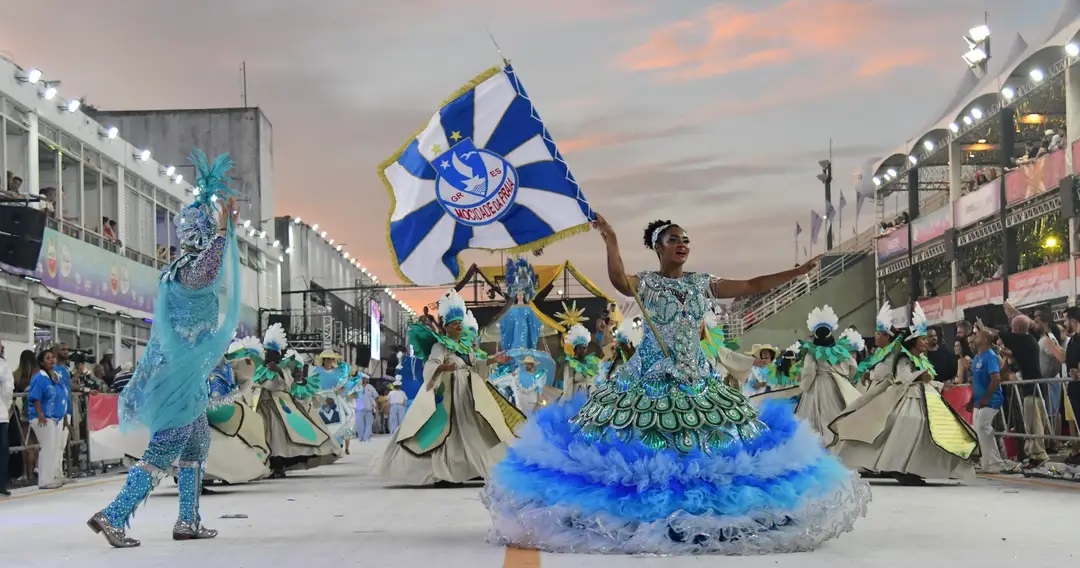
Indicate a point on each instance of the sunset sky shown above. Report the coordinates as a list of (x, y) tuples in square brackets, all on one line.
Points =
[(711, 113)]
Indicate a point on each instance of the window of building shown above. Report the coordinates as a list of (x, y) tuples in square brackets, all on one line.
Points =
[(71, 188), (14, 322), (49, 176), (14, 149)]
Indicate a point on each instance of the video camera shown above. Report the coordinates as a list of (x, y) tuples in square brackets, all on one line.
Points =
[(82, 356)]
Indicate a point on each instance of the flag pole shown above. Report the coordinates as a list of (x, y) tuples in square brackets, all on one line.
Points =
[(497, 48)]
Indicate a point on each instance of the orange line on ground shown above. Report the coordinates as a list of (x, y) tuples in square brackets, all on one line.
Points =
[(521, 558)]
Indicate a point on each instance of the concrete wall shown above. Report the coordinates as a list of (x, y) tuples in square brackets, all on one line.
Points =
[(243, 133), (851, 295)]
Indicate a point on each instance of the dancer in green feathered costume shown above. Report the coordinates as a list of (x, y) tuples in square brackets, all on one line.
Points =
[(825, 388), (458, 424), (296, 435), (902, 427), (581, 368)]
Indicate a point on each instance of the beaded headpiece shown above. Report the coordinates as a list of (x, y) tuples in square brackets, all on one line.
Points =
[(196, 226), (520, 279), (659, 231), (451, 307)]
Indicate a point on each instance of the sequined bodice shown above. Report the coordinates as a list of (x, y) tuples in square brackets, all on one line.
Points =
[(676, 307), (666, 394)]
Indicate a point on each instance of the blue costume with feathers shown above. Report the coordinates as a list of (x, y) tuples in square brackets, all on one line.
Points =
[(664, 458), (195, 316)]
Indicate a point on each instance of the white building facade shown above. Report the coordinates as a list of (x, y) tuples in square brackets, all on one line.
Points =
[(109, 232)]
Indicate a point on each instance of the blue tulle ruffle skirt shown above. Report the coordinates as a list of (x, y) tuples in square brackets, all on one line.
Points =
[(778, 492)]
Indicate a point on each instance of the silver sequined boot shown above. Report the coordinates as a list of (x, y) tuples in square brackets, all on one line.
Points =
[(112, 521), (189, 477)]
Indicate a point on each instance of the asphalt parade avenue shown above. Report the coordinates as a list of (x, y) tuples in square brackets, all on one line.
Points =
[(339, 516)]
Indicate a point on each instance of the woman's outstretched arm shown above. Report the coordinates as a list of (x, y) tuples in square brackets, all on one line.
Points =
[(620, 280), (738, 288)]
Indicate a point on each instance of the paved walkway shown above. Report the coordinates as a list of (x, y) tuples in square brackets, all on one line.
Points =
[(338, 516)]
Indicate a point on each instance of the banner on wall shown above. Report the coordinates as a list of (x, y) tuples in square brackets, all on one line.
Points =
[(1039, 284), (978, 204), (931, 226), (376, 331), (891, 246), (1035, 177), (938, 309), (74, 266), (979, 295)]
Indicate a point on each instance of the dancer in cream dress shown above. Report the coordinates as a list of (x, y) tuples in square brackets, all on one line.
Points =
[(902, 426), (458, 425), (824, 388)]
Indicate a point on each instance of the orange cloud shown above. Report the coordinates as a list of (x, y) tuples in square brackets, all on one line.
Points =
[(727, 39)]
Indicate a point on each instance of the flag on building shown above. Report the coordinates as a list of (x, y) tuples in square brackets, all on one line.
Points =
[(815, 226), (830, 212), (483, 174), (843, 203), (798, 229)]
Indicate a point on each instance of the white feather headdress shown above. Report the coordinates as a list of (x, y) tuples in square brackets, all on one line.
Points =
[(885, 322), (630, 331), (854, 339), (248, 343), (578, 335), (919, 325), (451, 307), (794, 347), (275, 338), (822, 317), (469, 321)]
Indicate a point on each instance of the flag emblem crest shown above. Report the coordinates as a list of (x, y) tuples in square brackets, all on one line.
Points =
[(477, 187), (483, 173)]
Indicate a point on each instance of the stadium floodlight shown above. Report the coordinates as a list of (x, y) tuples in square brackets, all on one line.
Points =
[(929, 145), (877, 181), (891, 172), (913, 159), (979, 34), (32, 76), (976, 113), (954, 127), (1037, 75), (967, 120), (975, 57), (1008, 93), (1072, 50)]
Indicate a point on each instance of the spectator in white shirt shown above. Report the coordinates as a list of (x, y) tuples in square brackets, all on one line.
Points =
[(398, 401), (7, 394)]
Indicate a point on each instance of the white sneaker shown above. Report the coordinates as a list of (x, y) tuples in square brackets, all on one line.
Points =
[(53, 485)]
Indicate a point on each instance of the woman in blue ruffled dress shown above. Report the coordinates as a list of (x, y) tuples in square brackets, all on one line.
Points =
[(195, 317), (665, 458)]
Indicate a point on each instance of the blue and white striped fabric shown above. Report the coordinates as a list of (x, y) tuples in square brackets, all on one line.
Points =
[(483, 174)]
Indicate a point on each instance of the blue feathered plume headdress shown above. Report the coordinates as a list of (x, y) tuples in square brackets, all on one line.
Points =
[(196, 224), (520, 279)]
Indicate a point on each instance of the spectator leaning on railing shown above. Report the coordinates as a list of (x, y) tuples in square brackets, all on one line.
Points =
[(1025, 350), (1072, 366)]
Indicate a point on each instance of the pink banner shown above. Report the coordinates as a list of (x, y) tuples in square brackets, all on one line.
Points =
[(958, 398), (981, 203), (980, 295), (931, 226), (1039, 284), (1035, 177), (938, 309), (102, 411), (890, 246)]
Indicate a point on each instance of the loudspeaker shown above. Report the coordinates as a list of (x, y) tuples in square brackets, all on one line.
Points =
[(1068, 196), (18, 252), (22, 222), (992, 315), (21, 230), (363, 355), (950, 245), (283, 319)]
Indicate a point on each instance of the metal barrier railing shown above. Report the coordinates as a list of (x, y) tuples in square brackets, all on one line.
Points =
[(76, 457), (1051, 418)]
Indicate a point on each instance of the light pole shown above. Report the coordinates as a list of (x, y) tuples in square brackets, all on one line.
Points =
[(825, 177)]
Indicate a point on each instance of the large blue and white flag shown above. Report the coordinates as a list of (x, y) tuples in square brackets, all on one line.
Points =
[(483, 174)]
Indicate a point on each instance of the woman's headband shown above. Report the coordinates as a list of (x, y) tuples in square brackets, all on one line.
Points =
[(659, 231)]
